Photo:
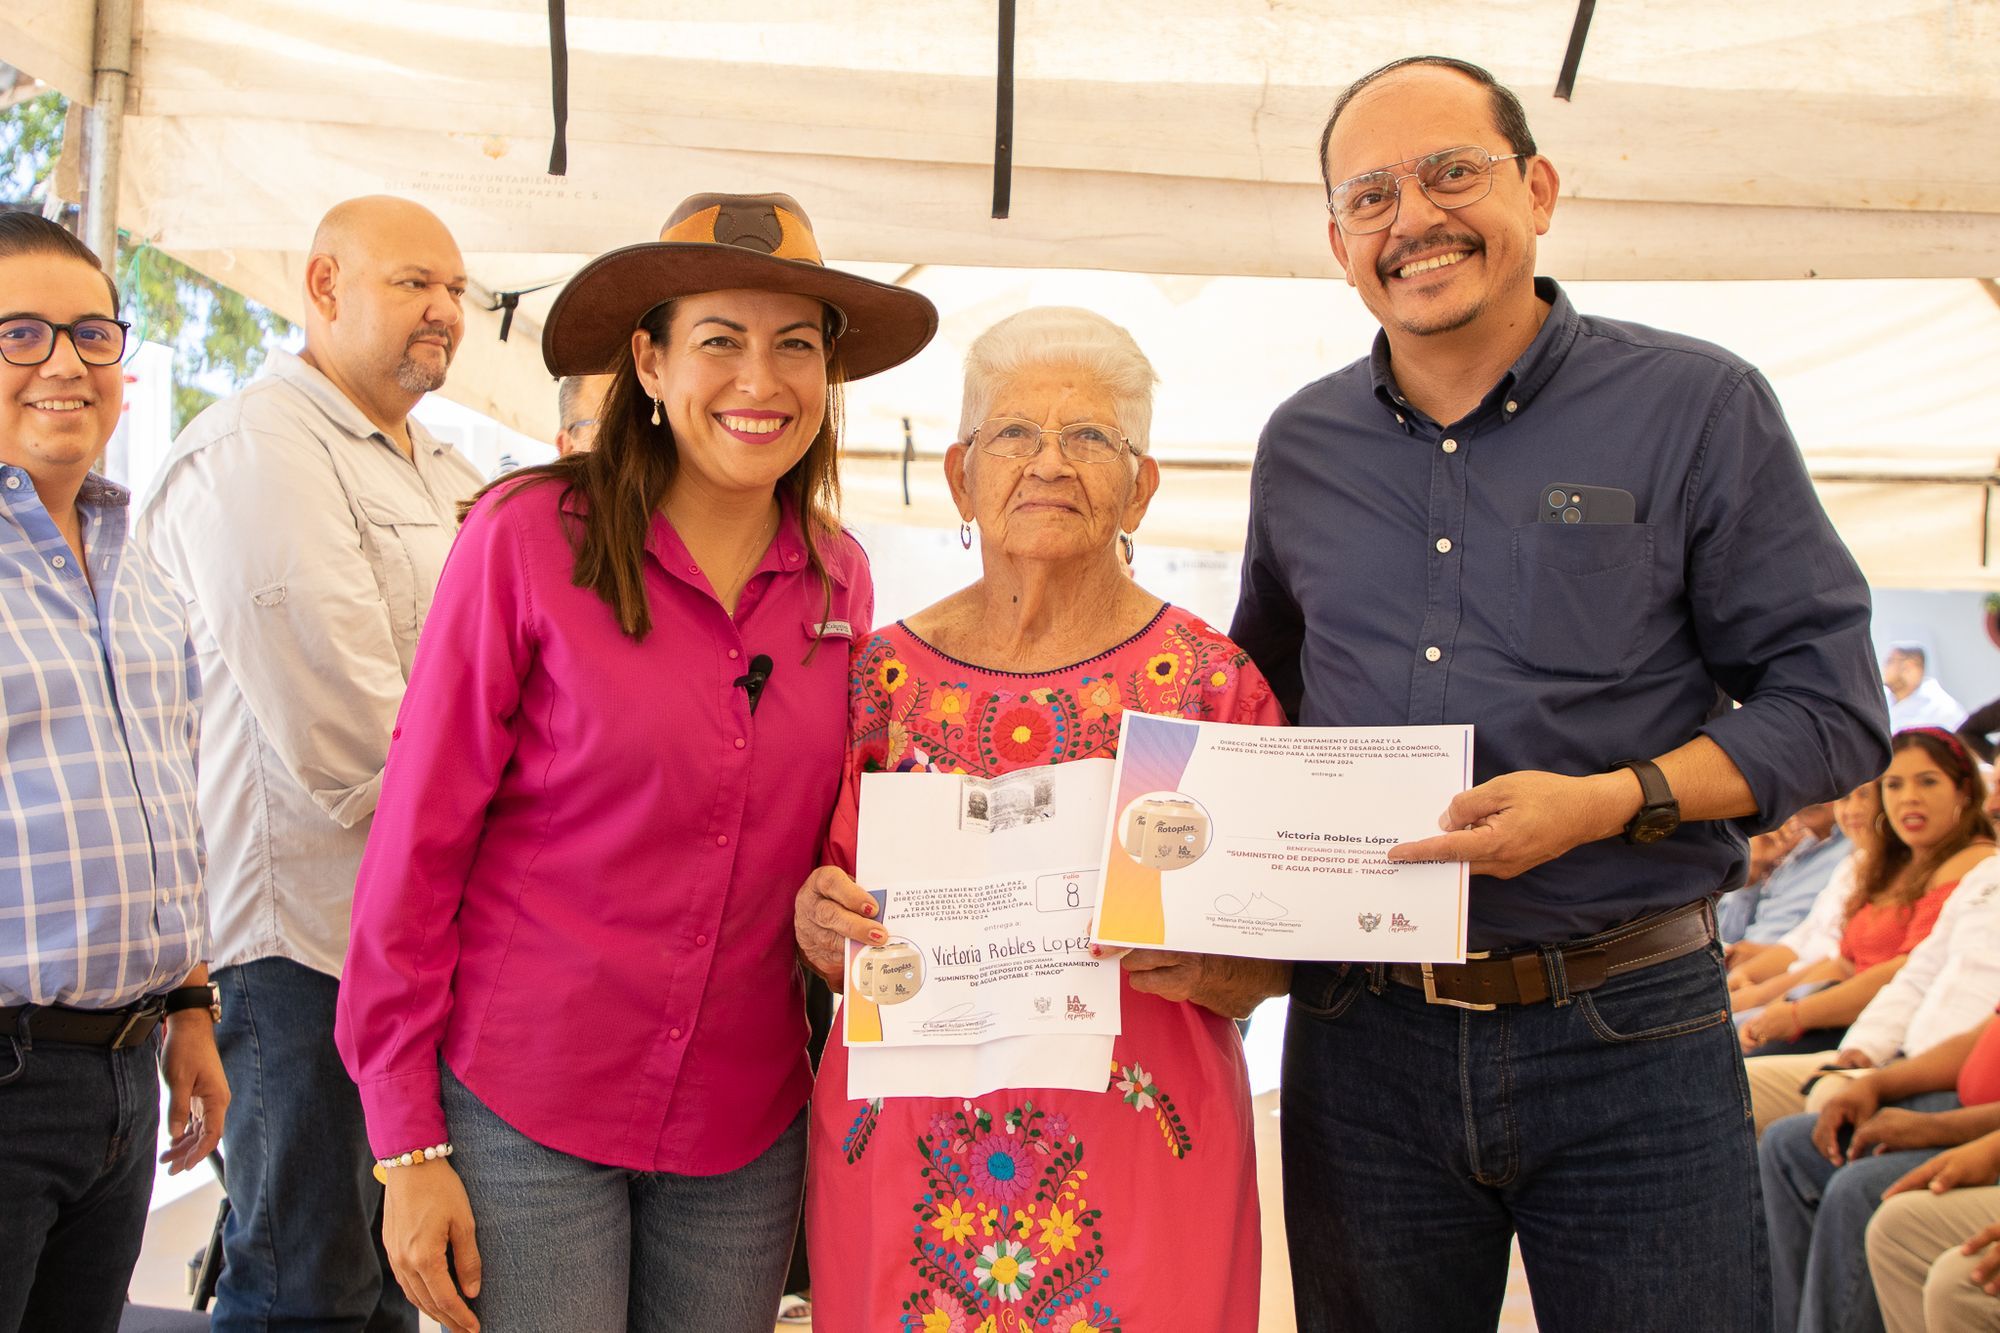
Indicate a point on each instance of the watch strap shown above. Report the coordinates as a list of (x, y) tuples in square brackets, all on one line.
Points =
[(193, 997), (1659, 813), (1653, 788)]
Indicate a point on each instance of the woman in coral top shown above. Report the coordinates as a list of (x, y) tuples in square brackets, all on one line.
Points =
[(1130, 1207), (1933, 827)]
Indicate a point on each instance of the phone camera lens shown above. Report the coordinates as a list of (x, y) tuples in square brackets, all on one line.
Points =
[(1572, 515), (1557, 499)]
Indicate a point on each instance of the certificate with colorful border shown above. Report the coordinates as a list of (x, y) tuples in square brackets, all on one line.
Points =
[(1272, 842)]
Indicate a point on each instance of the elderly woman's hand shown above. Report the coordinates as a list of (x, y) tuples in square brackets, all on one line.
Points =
[(830, 910), (1231, 987)]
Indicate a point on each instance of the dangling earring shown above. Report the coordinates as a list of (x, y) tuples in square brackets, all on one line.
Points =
[(1125, 540), (656, 411), (965, 535)]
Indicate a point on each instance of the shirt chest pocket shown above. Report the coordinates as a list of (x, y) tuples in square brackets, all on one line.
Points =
[(1582, 594), (406, 544)]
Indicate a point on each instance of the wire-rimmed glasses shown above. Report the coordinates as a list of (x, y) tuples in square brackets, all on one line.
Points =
[(1080, 441), (1449, 178)]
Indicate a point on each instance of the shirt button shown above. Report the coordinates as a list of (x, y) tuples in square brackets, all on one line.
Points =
[(675, 1033), (60, 563), (739, 742), (1444, 545), (700, 941), (1432, 654), (1513, 406), (13, 483), (733, 654), (1399, 418), (694, 569), (722, 840), (1449, 446)]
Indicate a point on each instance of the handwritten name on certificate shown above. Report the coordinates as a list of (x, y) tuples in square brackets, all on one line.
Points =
[(1272, 842), (985, 887)]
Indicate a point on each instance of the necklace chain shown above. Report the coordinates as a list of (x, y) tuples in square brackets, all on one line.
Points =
[(743, 570)]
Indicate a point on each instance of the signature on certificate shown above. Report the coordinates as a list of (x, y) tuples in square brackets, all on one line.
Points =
[(959, 1018), (1257, 907)]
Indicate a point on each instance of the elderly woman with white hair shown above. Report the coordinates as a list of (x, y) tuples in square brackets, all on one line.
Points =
[(1133, 1207)]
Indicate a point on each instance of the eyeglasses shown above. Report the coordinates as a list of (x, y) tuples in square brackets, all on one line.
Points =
[(579, 424), (1080, 442), (1451, 178), (28, 341)]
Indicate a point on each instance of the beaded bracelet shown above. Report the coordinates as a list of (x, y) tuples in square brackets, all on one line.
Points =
[(414, 1156)]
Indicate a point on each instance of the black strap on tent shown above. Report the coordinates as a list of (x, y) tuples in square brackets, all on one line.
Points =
[(1566, 81), (559, 103), (1003, 115), (508, 302)]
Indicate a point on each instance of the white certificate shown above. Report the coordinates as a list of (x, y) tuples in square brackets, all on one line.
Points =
[(1272, 842), (985, 888)]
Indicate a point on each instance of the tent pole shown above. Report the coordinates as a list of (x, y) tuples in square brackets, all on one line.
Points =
[(112, 71)]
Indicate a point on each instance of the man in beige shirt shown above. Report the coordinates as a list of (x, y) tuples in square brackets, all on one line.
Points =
[(307, 519)]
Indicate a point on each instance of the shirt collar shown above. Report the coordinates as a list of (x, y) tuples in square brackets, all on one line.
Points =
[(1523, 380), (103, 493), (787, 554), (338, 407), (97, 491)]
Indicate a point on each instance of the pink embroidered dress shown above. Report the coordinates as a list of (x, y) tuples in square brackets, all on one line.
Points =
[(1132, 1209)]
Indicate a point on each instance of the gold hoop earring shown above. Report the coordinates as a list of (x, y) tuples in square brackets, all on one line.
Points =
[(656, 411)]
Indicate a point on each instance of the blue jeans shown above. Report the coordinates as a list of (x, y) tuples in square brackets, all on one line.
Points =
[(569, 1246), (1609, 1130), (303, 1247), (1819, 1223), (77, 1129)]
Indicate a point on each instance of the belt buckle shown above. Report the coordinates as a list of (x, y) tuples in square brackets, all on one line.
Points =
[(1431, 995)]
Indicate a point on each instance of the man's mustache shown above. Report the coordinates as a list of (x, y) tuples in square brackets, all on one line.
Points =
[(442, 331), (1402, 254)]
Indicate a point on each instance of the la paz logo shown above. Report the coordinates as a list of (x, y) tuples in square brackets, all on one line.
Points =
[(1368, 920), (1076, 1008)]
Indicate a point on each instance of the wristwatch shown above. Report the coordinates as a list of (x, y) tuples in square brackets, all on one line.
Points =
[(207, 996), (1660, 814)]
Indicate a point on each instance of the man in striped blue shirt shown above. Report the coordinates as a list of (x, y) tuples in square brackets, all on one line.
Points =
[(103, 925)]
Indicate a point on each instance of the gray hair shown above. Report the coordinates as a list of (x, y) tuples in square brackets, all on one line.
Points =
[(1062, 336), (567, 394)]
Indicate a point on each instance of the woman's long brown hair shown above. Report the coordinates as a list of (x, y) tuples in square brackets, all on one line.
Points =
[(624, 479), (1892, 874)]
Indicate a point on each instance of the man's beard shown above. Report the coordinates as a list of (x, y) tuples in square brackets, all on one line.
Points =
[(412, 376), (1439, 322)]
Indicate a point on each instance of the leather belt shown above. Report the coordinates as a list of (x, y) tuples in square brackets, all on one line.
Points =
[(1487, 981), (118, 1029)]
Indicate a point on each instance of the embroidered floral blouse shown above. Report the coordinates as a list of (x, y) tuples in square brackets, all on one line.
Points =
[(1040, 1209)]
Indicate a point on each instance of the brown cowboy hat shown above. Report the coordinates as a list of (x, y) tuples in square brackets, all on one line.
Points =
[(721, 242)]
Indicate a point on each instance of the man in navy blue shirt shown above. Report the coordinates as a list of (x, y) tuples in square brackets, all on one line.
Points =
[(1586, 538)]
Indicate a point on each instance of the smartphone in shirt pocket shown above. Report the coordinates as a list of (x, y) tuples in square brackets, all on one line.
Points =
[(1583, 583), (1570, 503)]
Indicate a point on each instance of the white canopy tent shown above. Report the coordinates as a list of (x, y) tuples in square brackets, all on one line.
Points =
[(1789, 139)]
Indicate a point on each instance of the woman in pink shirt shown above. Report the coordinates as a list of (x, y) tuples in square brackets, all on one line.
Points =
[(571, 1001)]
